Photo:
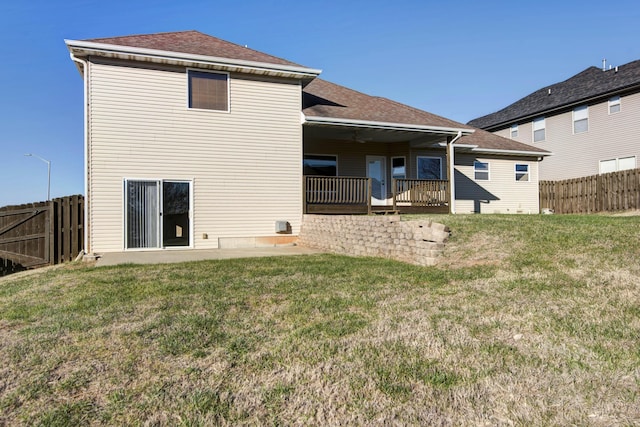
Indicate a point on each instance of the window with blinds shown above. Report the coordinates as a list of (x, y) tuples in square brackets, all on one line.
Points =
[(581, 119), (208, 91)]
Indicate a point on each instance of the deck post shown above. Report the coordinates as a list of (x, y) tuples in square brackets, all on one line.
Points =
[(393, 192), (369, 193)]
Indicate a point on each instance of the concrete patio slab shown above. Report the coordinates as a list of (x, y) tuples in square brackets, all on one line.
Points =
[(171, 256)]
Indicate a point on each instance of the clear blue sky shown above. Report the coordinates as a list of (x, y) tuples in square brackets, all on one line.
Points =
[(458, 59)]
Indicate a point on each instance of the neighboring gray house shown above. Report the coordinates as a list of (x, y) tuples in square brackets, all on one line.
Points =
[(195, 142), (591, 122)]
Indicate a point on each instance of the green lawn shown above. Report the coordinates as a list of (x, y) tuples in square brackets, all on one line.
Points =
[(527, 320)]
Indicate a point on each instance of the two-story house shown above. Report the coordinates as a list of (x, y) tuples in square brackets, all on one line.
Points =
[(195, 142), (591, 122)]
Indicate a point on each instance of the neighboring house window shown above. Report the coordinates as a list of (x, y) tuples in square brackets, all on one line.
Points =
[(398, 168), (208, 91), (429, 167), (581, 119), (481, 171), (514, 131), (320, 165), (522, 172), (539, 127), (614, 104), (619, 164)]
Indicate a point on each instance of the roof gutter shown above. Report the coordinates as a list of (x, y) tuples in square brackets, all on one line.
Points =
[(332, 121), (512, 152), (84, 48), (85, 78)]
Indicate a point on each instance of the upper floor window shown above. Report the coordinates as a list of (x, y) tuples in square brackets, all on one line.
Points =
[(208, 91), (614, 104), (320, 165), (429, 167), (539, 128), (522, 172), (398, 168), (581, 119), (514, 131), (481, 171)]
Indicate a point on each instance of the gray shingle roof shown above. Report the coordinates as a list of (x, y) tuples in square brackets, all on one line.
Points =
[(196, 43), (589, 84), (321, 98)]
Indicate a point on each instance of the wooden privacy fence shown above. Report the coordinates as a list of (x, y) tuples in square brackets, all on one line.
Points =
[(610, 192), (44, 233)]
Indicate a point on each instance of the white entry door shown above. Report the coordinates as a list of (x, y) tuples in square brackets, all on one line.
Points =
[(377, 171)]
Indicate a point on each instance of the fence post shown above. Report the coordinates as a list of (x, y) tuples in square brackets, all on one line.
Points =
[(49, 248)]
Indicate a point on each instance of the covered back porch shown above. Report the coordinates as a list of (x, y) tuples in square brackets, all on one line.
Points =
[(354, 167)]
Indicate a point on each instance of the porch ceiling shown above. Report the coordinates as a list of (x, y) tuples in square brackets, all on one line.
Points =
[(369, 135)]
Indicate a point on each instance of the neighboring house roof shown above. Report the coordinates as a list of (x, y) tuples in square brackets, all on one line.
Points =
[(590, 84), (324, 99), (196, 43)]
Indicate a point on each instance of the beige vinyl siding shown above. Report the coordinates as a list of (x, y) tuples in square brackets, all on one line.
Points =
[(244, 164), (609, 136), (501, 193)]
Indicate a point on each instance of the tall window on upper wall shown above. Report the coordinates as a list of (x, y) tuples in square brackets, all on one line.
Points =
[(514, 131), (429, 167), (614, 104), (581, 119), (539, 128), (208, 91)]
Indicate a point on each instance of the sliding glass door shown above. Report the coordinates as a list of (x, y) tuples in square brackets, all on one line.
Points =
[(157, 214)]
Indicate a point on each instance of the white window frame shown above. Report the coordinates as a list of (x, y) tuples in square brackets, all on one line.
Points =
[(198, 70), (615, 101), (514, 131), (404, 158), (517, 172), (580, 115), (427, 157), (323, 155), (482, 171), (160, 237), (537, 127), (616, 163)]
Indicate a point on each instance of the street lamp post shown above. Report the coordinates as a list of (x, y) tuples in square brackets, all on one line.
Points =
[(48, 162)]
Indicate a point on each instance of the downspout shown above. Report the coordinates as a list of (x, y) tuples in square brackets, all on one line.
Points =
[(85, 77), (451, 168)]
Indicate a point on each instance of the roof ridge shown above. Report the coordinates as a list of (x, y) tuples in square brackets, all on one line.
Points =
[(590, 83), (148, 34)]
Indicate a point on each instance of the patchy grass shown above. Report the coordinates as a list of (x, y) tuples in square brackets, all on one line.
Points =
[(526, 320)]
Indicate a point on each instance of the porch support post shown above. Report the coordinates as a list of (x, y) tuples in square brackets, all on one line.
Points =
[(451, 171)]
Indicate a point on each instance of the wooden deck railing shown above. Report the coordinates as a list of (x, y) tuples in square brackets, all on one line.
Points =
[(420, 192), (353, 195), (324, 194)]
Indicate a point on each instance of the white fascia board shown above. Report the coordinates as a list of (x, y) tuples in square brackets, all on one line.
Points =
[(468, 146), (511, 152), (84, 48), (385, 125)]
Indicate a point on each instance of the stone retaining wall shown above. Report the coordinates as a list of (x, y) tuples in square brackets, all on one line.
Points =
[(415, 242)]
